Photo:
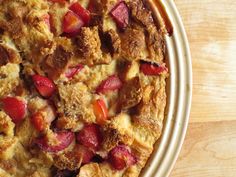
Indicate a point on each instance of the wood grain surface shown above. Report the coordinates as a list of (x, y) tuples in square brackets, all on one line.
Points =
[(210, 145)]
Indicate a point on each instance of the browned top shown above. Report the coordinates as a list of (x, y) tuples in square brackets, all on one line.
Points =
[(135, 109)]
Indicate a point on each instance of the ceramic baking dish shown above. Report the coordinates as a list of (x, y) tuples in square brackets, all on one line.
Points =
[(179, 91)]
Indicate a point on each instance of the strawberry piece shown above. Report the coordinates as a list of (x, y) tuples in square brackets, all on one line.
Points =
[(120, 14), (72, 23), (38, 121), (83, 13), (85, 153), (64, 138), (90, 136), (111, 83), (100, 111), (120, 157), (15, 108), (153, 69), (91, 6), (46, 19), (71, 71), (45, 86)]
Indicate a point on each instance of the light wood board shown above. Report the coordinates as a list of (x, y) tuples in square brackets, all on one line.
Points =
[(210, 145)]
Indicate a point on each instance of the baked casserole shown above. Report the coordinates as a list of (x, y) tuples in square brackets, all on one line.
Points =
[(82, 87)]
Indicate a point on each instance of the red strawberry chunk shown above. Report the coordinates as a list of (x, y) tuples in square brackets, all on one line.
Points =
[(72, 23), (90, 136), (85, 153), (64, 138), (111, 83), (100, 111), (120, 14), (120, 157), (153, 69), (83, 13), (71, 71), (91, 6), (15, 108), (44, 85)]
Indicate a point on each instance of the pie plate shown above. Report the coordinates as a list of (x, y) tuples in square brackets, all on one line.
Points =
[(179, 91)]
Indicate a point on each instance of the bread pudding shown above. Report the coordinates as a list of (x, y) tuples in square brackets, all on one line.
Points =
[(82, 87)]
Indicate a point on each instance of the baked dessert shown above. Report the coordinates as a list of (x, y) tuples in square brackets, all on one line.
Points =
[(82, 87)]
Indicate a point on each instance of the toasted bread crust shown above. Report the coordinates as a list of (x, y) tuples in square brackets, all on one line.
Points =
[(131, 93), (8, 55), (89, 45), (129, 110), (140, 13), (133, 44)]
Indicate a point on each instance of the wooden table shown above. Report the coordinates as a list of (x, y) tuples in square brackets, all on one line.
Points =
[(209, 149)]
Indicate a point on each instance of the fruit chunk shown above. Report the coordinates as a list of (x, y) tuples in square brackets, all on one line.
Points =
[(120, 14), (90, 136), (45, 86), (71, 71), (64, 138), (91, 6), (120, 157), (72, 23), (83, 13), (111, 83), (15, 108), (100, 111), (85, 153), (153, 69)]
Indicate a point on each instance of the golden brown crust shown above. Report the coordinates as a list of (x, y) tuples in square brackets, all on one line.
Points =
[(7, 147), (112, 139), (26, 133), (133, 44), (156, 44), (9, 75), (18, 10), (89, 46), (111, 40), (130, 94), (6, 125), (135, 110), (56, 63), (8, 55), (56, 20), (69, 160), (14, 27), (119, 130), (75, 102), (141, 14), (154, 38), (69, 123)]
